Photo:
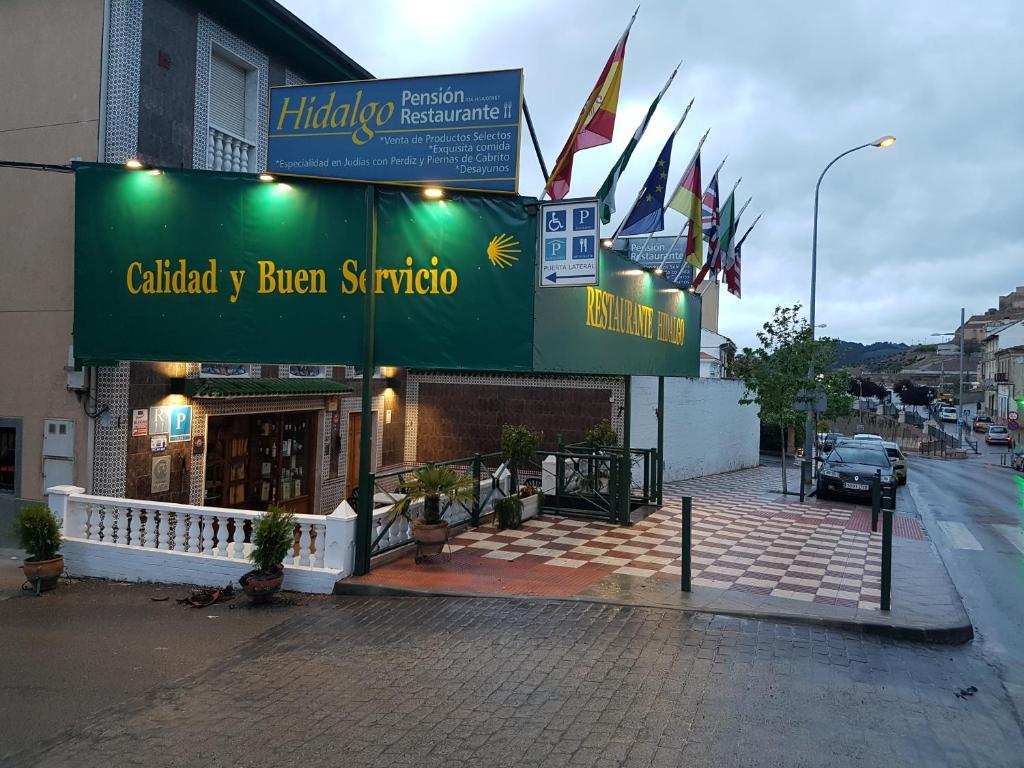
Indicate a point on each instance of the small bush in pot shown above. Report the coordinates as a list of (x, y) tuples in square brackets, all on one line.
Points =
[(38, 533), (601, 436), (508, 512), (273, 538)]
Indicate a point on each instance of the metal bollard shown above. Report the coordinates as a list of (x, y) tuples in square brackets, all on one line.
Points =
[(685, 544), (876, 499), (886, 558)]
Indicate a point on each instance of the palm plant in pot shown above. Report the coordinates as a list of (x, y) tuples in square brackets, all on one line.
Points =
[(39, 535), (273, 537), (428, 485)]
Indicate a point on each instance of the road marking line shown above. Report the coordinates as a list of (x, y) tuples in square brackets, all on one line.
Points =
[(1012, 534), (959, 536)]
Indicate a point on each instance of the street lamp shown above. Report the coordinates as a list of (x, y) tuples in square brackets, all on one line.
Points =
[(884, 141)]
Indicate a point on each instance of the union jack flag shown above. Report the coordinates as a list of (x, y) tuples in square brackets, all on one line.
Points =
[(709, 218)]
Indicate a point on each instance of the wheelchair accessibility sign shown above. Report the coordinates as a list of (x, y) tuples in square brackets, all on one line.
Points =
[(568, 248)]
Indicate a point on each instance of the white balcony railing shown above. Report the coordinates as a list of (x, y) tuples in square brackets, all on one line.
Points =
[(138, 540), (225, 152)]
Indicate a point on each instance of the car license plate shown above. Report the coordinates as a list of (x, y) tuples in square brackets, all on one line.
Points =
[(855, 486)]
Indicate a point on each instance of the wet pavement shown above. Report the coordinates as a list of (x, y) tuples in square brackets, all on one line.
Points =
[(755, 553), (486, 682), (975, 507)]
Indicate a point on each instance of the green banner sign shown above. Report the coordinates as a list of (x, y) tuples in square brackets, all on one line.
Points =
[(196, 265), (180, 265), (630, 323)]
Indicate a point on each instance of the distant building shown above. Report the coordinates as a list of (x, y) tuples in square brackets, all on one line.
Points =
[(999, 366)]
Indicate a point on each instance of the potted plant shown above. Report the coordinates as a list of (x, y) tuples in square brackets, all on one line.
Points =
[(532, 499), (273, 537), (597, 438), (428, 485), (508, 512), (519, 444), (39, 535)]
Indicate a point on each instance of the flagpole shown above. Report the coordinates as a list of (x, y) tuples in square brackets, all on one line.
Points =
[(582, 119), (631, 145), (749, 229), (683, 228), (743, 208), (644, 189), (665, 208), (732, 191)]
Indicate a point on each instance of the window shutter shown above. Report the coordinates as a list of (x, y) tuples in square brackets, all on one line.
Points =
[(227, 96)]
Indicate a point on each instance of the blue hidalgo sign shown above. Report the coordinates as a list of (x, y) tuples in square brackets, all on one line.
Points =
[(455, 131)]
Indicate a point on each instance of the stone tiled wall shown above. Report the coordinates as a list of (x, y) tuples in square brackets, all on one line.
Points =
[(167, 83), (148, 385), (459, 419)]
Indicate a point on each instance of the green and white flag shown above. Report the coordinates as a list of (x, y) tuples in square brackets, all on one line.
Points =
[(606, 195)]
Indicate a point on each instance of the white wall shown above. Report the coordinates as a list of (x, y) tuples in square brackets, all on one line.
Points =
[(707, 431)]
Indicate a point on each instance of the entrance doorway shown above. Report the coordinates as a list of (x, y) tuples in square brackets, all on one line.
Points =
[(355, 423), (255, 461)]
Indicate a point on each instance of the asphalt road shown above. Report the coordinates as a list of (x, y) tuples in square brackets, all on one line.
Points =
[(974, 509)]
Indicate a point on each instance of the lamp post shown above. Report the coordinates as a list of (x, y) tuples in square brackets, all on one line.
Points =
[(884, 141)]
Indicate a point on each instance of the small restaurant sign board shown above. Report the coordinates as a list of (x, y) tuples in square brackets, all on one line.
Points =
[(455, 131), (664, 252)]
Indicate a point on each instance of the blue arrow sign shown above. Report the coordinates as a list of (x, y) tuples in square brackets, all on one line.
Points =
[(554, 277)]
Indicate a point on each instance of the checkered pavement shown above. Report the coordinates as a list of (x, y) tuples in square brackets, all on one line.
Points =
[(746, 537)]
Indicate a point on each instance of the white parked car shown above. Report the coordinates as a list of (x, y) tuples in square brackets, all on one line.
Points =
[(948, 413), (867, 436)]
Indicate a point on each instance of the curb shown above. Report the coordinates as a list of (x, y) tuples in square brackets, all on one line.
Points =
[(950, 635)]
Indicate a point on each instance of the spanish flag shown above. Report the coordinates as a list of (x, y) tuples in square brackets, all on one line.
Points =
[(687, 200), (596, 122)]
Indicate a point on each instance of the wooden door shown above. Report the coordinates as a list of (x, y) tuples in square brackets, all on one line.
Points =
[(355, 421)]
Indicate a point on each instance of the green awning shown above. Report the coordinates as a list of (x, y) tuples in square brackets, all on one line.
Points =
[(224, 388)]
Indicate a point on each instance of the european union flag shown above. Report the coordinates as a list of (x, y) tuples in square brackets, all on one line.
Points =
[(648, 212)]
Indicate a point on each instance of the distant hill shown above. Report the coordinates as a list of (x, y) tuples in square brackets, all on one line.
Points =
[(852, 354)]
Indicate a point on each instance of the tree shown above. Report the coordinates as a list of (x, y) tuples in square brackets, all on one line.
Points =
[(913, 394), (867, 388), (775, 373)]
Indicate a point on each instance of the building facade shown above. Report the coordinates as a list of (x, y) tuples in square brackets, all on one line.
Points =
[(999, 368), (185, 83)]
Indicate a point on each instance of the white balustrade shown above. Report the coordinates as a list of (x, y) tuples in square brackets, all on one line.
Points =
[(228, 153), (210, 531)]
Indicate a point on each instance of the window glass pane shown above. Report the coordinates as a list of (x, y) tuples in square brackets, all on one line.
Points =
[(8, 457)]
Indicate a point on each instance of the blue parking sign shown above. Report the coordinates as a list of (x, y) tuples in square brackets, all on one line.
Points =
[(554, 249), (179, 428), (583, 219)]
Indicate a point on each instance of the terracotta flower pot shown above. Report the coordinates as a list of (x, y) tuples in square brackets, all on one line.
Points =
[(43, 574), (260, 587), (431, 537)]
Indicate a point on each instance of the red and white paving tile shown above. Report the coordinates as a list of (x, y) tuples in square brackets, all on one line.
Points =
[(745, 536)]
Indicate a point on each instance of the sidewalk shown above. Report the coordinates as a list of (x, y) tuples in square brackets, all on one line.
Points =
[(755, 553)]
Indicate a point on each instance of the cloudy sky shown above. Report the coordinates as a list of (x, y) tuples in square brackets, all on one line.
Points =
[(907, 235)]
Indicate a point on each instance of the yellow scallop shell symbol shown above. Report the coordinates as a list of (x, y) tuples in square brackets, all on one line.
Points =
[(501, 249)]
